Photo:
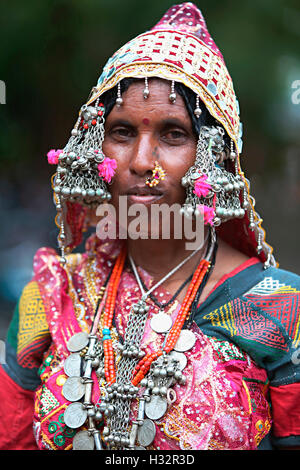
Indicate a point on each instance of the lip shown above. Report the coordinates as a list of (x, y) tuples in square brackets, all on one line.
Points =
[(143, 199), (144, 194)]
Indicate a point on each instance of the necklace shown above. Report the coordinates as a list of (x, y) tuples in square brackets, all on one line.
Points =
[(170, 273), (161, 322), (194, 306), (161, 305), (152, 297), (133, 368), (147, 377)]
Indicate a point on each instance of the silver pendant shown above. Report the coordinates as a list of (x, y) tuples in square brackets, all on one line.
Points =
[(139, 448), (78, 342), (171, 396), (72, 365), (146, 433), (83, 441), (75, 415), (73, 389), (186, 341), (161, 322), (180, 358), (156, 407)]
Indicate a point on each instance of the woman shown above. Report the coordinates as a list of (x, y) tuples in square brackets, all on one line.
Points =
[(142, 342)]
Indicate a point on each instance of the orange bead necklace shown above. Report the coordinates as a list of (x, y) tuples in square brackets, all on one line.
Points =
[(144, 364)]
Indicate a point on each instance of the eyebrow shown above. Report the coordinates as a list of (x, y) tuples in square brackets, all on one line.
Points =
[(120, 122), (168, 122), (172, 122)]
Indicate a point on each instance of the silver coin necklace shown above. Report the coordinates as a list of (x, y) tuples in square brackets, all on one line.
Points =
[(115, 406)]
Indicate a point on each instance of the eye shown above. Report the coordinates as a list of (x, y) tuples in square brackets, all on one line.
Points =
[(176, 134), (121, 134), (174, 137)]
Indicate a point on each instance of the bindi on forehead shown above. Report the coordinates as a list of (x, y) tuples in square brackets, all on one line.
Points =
[(146, 121)]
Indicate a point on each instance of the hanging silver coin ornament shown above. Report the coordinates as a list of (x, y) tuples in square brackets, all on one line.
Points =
[(75, 415), (146, 433), (156, 407), (72, 365), (78, 342), (83, 441), (73, 389), (161, 322), (180, 358), (186, 341)]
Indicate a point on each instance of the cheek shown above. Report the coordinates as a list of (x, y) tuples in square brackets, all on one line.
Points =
[(176, 168), (116, 152), (109, 148), (180, 161)]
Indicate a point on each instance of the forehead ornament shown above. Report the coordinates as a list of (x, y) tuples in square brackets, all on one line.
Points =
[(198, 110), (146, 91), (119, 100), (172, 95)]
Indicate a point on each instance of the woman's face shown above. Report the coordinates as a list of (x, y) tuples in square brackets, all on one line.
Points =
[(142, 131)]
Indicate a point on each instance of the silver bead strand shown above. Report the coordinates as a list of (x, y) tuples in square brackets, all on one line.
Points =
[(252, 224), (62, 238), (259, 242), (146, 91), (198, 110), (233, 153), (119, 100), (172, 95), (75, 130)]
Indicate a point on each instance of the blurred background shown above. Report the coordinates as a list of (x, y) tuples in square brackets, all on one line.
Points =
[(52, 53)]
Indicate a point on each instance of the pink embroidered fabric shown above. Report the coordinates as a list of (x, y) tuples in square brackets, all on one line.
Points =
[(223, 404), (187, 18)]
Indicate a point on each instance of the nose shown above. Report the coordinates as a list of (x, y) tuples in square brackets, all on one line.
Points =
[(144, 154)]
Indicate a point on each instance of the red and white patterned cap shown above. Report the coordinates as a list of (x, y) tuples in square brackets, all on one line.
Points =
[(187, 18), (179, 47)]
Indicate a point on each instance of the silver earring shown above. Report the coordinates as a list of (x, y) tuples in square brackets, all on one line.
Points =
[(77, 178), (172, 95), (146, 91), (208, 184)]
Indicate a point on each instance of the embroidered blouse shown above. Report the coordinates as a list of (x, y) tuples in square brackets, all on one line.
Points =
[(242, 375)]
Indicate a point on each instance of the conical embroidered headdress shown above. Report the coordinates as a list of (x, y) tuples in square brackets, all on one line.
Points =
[(179, 48)]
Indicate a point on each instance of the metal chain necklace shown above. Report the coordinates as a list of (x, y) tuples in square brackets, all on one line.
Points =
[(146, 377), (130, 354), (161, 305)]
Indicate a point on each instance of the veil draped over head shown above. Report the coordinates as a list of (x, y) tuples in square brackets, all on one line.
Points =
[(179, 48)]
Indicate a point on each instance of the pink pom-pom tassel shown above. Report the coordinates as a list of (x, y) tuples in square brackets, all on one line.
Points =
[(208, 214), (202, 188), (53, 155), (107, 169)]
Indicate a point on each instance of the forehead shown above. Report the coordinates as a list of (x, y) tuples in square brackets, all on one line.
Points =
[(157, 105)]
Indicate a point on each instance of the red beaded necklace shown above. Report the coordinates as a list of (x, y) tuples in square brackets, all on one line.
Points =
[(144, 364)]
